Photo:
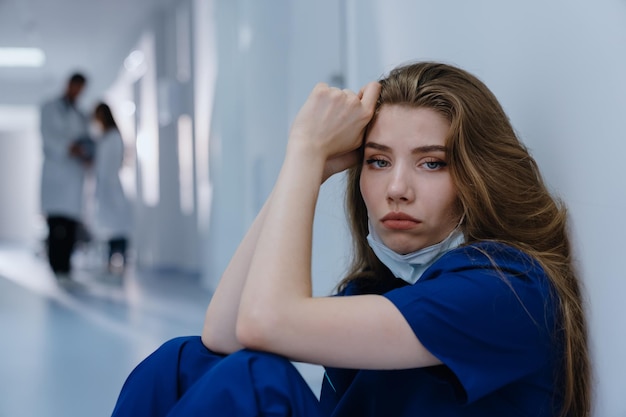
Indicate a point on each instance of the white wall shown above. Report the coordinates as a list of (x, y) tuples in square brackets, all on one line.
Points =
[(559, 70), (167, 232), (270, 55), (20, 170), (227, 219)]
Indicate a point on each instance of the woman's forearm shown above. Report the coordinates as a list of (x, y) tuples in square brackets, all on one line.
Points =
[(218, 333), (280, 270), (323, 139)]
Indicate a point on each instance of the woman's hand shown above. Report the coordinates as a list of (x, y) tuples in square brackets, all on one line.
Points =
[(340, 163), (332, 122)]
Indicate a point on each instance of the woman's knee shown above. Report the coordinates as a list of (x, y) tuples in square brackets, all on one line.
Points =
[(257, 361), (260, 369), (173, 347)]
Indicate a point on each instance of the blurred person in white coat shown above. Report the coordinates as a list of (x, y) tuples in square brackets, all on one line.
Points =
[(66, 156), (112, 219)]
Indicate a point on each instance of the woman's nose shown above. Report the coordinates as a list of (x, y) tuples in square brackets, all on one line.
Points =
[(399, 188)]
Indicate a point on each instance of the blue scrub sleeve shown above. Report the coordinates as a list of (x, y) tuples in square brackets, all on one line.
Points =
[(490, 326)]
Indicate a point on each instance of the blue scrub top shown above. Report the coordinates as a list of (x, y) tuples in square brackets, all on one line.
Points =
[(489, 313)]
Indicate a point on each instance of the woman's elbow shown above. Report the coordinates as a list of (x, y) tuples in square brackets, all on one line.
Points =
[(254, 330), (218, 343), (211, 341), (207, 341)]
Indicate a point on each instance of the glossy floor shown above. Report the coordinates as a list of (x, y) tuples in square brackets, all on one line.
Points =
[(66, 347)]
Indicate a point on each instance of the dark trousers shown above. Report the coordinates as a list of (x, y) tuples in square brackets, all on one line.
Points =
[(183, 378), (61, 241), (118, 245)]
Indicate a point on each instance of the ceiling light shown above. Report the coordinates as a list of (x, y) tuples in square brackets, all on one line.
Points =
[(21, 57)]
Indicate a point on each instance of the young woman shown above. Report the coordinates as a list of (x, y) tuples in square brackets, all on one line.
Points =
[(112, 208), (461, 300)]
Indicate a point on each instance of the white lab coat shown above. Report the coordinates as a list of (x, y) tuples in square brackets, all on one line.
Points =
[(112, 208), (63, 176)]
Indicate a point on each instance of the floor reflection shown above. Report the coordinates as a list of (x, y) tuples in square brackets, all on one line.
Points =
[(67, 346)]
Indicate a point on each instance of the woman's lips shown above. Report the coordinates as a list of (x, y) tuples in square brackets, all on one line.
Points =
[(399, 221)]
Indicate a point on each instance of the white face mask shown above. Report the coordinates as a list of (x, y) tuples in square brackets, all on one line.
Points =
[(411, 266)]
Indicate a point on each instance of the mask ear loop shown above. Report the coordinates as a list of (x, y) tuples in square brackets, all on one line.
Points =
[(458, 225)]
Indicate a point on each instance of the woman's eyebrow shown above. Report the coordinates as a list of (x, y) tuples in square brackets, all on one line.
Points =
[(419, 149), (377, 146), (429, 148)]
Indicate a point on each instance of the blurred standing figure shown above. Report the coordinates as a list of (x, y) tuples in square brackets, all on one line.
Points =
[(64, 130), (112, 209)]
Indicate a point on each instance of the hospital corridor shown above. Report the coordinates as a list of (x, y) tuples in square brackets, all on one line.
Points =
[(70, 345), (174, 118)]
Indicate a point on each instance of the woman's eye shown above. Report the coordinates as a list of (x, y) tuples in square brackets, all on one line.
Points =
[(433, 165), (377, 163)]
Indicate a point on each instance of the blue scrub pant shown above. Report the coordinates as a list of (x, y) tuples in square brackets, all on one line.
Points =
[(184, 378)]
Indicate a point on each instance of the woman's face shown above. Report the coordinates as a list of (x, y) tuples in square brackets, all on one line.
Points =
[(97, 116), (405, 181)]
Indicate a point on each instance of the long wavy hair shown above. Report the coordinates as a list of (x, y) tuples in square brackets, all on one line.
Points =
[(502, 194)]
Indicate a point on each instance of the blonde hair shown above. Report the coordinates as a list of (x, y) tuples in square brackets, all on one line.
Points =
[(502, 194)]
